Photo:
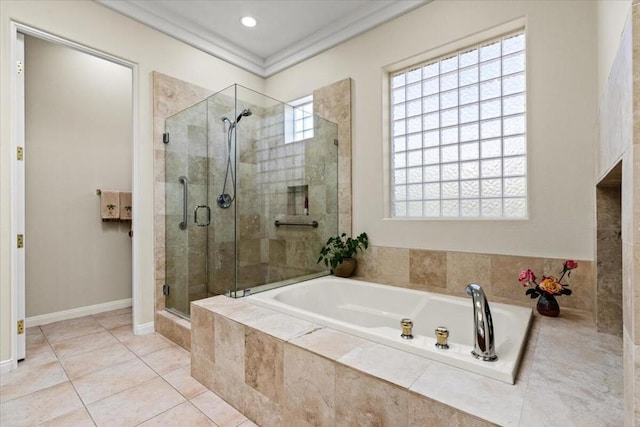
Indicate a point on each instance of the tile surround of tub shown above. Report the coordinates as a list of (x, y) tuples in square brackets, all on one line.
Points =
[(450, 272), (303, 376)]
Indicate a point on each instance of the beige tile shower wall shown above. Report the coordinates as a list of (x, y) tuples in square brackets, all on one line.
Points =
[(222, 232), (170, 96), (450, 272), (333, 102)]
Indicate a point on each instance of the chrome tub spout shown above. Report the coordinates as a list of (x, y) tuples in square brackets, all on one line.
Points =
[(484, 348)]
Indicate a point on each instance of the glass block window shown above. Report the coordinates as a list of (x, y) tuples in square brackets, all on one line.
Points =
[(299, 119), (458, 134)]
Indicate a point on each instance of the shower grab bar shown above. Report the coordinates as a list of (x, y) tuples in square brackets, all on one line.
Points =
[(313, 224), (185, 187)]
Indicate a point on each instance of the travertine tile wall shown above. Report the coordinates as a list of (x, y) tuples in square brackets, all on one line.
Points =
[(185, 155), (170, 96), (450, 272), (631, 235), (620, 140), (609, 256), (333, 103)]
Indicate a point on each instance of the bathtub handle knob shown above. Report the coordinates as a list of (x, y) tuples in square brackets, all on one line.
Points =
[(407, 326), (442, 333)]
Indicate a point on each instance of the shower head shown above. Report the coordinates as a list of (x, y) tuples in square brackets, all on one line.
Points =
[(245, 113)]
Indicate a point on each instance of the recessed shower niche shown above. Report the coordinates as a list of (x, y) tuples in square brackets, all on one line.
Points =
[(232, 187), (298, 200)]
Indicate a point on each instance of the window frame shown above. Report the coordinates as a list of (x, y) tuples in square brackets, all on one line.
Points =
[(293, 109), (474, 43)]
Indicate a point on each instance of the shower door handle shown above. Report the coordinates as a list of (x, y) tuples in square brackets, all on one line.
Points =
[(185, 199), (195, 215)]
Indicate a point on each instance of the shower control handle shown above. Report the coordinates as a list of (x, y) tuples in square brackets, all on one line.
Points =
[(185, 188), (195, 215)]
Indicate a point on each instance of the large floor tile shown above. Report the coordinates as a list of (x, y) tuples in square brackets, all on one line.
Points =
[(184, 414), (39, 407), (96, 360), (83, 344), (122, 333), (67, 329), (37, 349), (145, 344), (78, 418), (168, 359), (112, 322), (214, 407), (182, 381), (105, 382), (24, 381), (135, 405), (34, 357)]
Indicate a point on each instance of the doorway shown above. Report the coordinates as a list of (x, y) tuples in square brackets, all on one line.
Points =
[(78, 122)]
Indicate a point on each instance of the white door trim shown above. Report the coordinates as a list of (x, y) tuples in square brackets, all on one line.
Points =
[(16, 28), (19, 179)]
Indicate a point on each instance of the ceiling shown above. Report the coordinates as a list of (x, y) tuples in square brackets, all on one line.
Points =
[(288, 31)]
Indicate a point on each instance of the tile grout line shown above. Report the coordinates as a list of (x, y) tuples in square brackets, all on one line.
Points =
[(178, 391), (68, 378), (84, 405)]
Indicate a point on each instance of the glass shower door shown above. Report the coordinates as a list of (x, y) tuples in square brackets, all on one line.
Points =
[(187, 212)]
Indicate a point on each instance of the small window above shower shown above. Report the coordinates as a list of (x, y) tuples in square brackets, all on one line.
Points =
[(298, 120)]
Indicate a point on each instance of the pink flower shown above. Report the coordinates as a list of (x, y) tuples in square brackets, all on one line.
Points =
[(526, 277), (570, 264)]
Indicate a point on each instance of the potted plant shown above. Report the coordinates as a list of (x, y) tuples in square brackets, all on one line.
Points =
[(339, 251)]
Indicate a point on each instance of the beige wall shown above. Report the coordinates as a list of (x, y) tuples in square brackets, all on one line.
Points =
[(78, 139), (561, 123), (93, 25)]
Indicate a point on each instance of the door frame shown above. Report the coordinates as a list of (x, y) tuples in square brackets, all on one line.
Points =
[(17, 213)]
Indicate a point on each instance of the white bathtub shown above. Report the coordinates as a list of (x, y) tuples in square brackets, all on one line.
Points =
[(374, 311)]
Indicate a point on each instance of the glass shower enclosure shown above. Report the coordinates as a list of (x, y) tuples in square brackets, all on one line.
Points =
[(248, 206)]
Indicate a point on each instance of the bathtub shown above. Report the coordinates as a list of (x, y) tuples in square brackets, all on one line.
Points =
[(373, 312)]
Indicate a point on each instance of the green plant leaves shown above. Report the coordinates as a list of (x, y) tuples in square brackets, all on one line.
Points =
[(339, 248)]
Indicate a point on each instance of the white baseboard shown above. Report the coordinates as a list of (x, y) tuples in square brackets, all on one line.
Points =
[(76, 312), (7, 366), (144, 329)]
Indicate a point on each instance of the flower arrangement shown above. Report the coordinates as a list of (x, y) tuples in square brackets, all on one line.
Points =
[(549, 285)]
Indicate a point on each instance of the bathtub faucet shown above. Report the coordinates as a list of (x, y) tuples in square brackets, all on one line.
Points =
[(484, 348)]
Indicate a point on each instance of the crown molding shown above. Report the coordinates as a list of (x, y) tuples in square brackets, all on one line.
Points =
[(351, 25), (338, 32), (179, 29)]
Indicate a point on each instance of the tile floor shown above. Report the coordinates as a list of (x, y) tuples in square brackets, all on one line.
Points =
[(93, 371)]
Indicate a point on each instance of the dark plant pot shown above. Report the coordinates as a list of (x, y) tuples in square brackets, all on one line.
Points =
[(548, 305), (345, 268)]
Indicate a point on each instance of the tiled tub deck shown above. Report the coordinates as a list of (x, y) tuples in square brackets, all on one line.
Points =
[(282, 371)]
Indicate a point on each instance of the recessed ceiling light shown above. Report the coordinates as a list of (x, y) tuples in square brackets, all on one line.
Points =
[(249, 21)]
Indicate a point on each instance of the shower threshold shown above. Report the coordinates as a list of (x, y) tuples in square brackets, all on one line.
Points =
[(261, 288)]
